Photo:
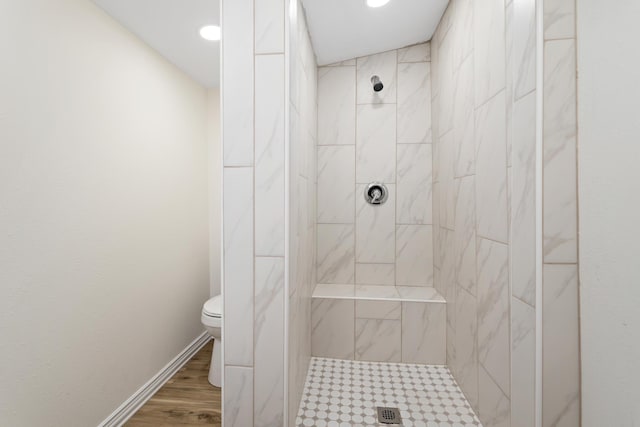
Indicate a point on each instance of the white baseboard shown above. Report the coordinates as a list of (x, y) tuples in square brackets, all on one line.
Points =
[(140, 397)]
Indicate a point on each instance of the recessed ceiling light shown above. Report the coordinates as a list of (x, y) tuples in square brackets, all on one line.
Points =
[(210, 32), (376, 3)]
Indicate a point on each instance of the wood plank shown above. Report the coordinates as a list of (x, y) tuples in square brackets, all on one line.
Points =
[(187, 399)]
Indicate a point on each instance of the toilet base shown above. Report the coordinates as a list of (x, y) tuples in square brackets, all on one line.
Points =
[(215, 371)]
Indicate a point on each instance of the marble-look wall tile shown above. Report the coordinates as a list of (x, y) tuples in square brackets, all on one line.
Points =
[(375, 228), (420, 293), (269, 342), (378, 340), (491, 170), (414, 203), (377, 292), (560, 346), (524, 47), (325, 290), (452, 361), (296, 144), (269, 148), (523, 202), (376, 143), (464, 124), (302, 205), (237, 117), (437, 230), (384, 310), (509, 189), (446, 153), (465, 235), (462, 26), (435, 149), (436, 221), (347, 62), (336, 180), (559, 19), (509, 78), (299, 351), (435, 59), (523, 363), (477, 76), (414, 255), (332, 328), (466, 350), (375, 274), (415, 53), (414, 102), (560, 199), (292, 42), (336, 105), (384, 66), (489, 48), (238, 265), (269, 26), (493, 311), (494, 406), (238, 396), (446, 22), (336, 251), (448, 273), (424, 333), (435, 112), (446, 87), (379, 124)]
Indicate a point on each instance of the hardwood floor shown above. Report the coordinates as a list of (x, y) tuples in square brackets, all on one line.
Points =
[(187, 399)]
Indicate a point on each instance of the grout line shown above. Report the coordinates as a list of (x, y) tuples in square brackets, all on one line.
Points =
[(490, 239), (221, 152), (522, 301), (516, 100), (539, 202), (491, 98), (507, 395), (577, 212), (559, 39), (253, 197), (560, 263), (376, 103)]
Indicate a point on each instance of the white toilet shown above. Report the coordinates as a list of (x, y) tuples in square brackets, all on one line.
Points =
[(212, 321)]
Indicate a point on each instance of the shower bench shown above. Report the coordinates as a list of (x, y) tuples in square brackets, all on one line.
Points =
[(379, 323)]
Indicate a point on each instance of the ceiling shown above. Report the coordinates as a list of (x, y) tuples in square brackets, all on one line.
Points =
[(345, 29), (340, 29), (171, 27)]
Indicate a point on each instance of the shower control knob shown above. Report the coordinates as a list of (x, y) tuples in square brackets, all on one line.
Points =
[(376, 193)]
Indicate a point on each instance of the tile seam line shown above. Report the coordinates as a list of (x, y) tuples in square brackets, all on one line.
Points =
[(490, 375), (491, 98), (522, 301)]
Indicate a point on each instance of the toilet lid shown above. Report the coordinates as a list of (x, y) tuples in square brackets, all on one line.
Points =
[(213, 307)]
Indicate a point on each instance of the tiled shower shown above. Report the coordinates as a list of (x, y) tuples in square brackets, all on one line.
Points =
[(467, 272)]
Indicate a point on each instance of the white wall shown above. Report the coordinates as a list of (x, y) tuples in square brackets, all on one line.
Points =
[(609, 131), (104, 212)]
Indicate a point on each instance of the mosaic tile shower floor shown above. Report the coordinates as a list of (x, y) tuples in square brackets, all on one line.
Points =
[(345, 393)]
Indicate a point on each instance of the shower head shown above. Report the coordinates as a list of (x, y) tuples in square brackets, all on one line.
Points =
[(377, 84)]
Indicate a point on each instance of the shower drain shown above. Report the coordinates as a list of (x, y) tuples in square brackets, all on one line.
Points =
[(389, 415)]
